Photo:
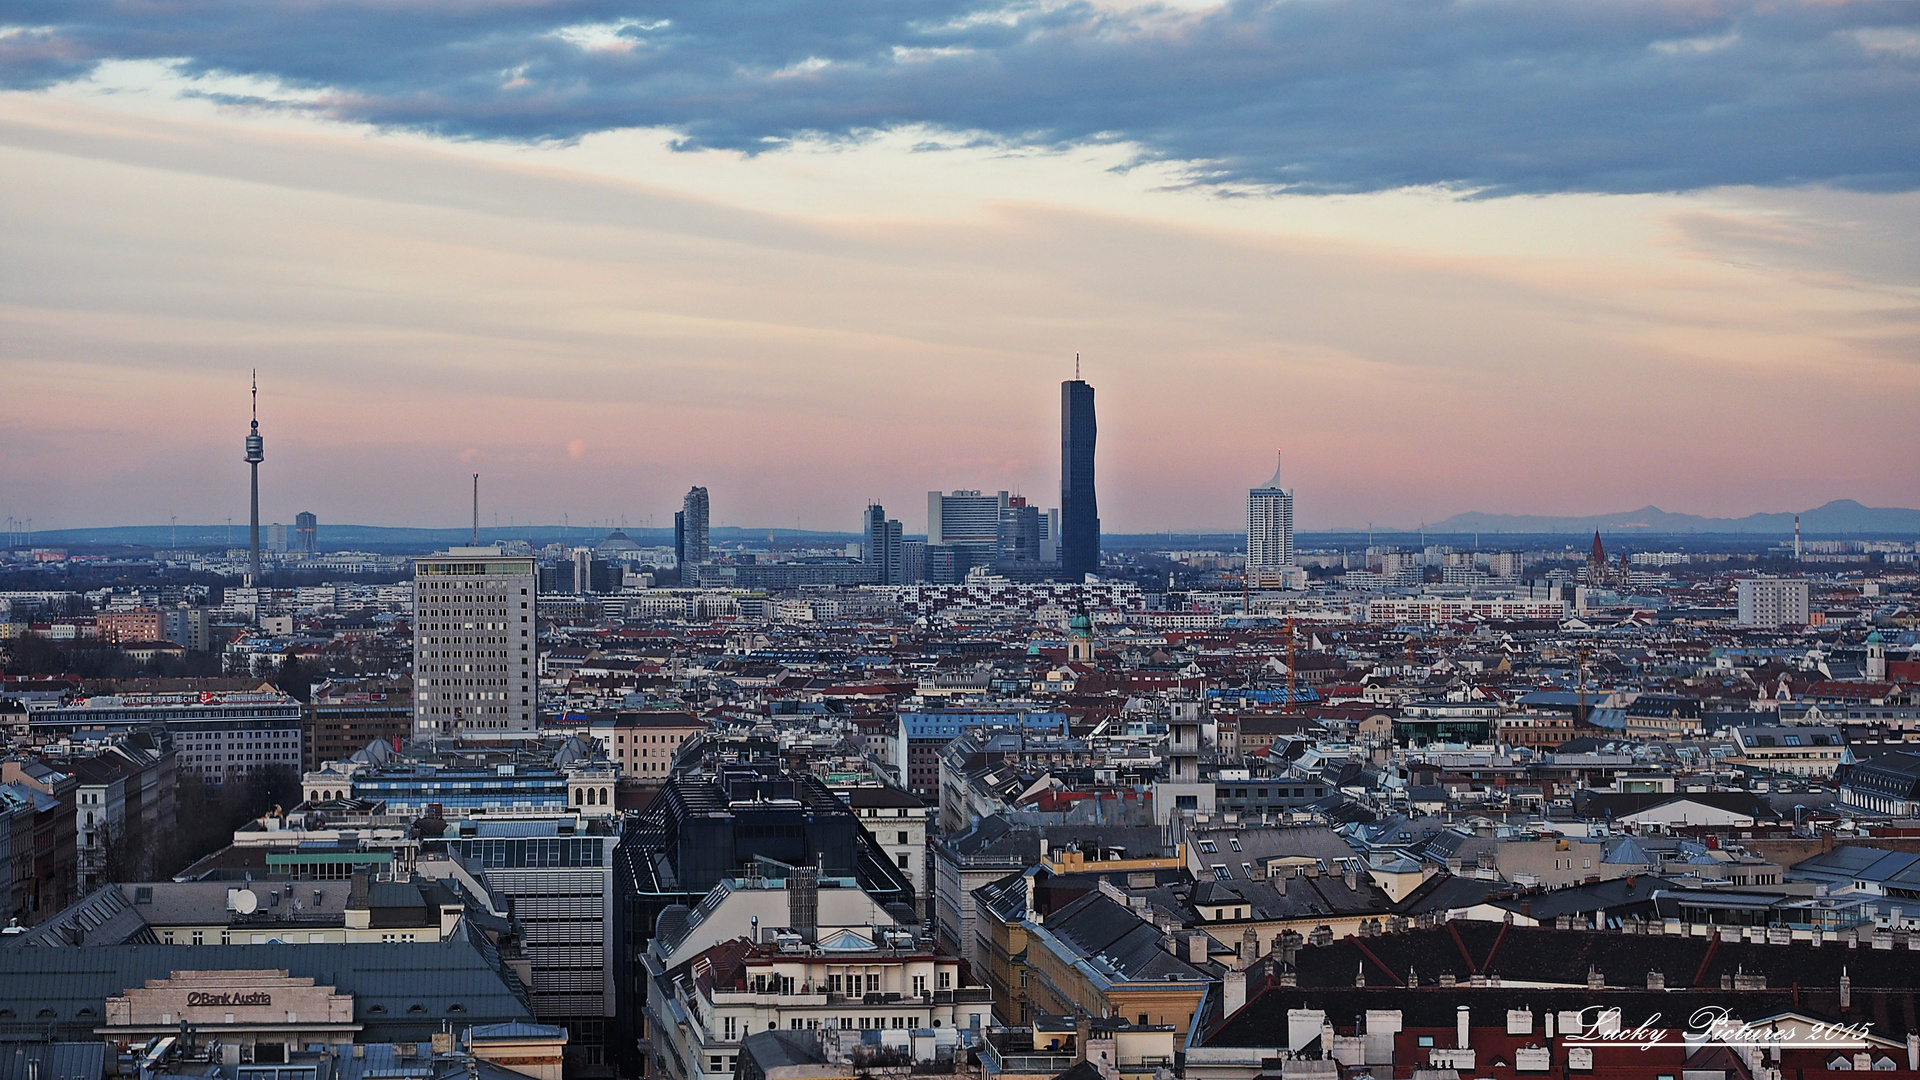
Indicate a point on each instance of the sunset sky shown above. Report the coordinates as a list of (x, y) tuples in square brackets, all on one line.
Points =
[(1524, 257)]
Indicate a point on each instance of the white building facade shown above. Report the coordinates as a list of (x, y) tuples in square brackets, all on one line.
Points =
[(473, 642), (1269, 525), (1769, 603)]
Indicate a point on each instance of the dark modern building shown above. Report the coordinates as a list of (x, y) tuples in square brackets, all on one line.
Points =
[(1079, 510), (680, 544), (884, 547), (704, 828), (306, 532), (690, 533)]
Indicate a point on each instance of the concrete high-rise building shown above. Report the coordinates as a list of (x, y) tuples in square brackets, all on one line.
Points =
[(885, 547), (690, 527), (189, 628), (964, 517), (256, 453), (277, 538), (1079, 508), (963, 531), (582, 565), (306, 533), (474, 629), (913, 561), (1770, 603), (1270, 525)]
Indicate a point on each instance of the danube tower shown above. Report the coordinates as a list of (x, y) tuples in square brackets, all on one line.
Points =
[(256, 453)]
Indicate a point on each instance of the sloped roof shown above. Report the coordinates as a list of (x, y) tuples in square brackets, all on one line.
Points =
[(399, 988), (102, 917), (1097, 928)]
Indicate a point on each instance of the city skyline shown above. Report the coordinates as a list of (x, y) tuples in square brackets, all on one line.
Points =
[(599, 701), (624, 519), (1538, 303)]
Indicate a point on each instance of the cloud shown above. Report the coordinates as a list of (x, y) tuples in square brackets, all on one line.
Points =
[(1489, 96)]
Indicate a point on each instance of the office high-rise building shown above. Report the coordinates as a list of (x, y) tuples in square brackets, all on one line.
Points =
[(1270, 525), (1020, 532), (277, 538), (885, 547), (913, 561), (581, 564), (306, 533), (964, 517), (963, 531), (691, 527), (1079, 509), (474, 611)]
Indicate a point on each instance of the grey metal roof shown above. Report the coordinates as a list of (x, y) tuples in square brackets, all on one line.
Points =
[(103, 917), (514, 1030), (399, 991), (57, 1060)]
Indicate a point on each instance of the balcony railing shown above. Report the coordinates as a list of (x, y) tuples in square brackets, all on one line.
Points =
[(995, 1061)]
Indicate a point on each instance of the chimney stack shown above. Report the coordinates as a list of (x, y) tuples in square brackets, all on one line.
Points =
[(1233, 992), (1462, 1022)]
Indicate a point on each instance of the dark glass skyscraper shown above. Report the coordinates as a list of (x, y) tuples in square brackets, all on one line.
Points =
[(1079, 510)]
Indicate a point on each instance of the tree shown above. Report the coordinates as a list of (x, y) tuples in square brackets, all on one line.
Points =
[(292, 679), (30, 654)]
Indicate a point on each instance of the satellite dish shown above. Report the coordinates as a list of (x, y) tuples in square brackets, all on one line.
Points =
[(245, 902)]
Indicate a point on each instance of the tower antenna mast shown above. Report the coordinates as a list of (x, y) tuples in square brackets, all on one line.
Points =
[(476, 509), (256, 453)]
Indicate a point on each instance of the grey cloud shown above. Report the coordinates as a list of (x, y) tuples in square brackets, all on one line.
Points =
[(1492, 96)]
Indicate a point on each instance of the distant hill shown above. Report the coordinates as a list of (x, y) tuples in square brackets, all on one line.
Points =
[(392, 538), (1838, 518)]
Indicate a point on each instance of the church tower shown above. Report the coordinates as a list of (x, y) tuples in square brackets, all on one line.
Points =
[(1080, 639)]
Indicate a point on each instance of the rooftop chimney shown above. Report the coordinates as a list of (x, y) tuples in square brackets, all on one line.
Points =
[(1462, 1021), (1233, 992)]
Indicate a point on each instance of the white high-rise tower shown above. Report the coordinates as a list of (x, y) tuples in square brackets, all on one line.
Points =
[(1270, 524), (474, 641)]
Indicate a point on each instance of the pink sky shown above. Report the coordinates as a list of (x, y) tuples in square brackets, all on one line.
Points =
[(595, 327)]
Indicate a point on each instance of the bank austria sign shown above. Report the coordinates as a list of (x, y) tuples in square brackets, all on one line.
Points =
[(257, 997)]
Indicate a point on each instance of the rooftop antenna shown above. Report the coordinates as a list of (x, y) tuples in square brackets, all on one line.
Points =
[(476, 509), (1076, 367)]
